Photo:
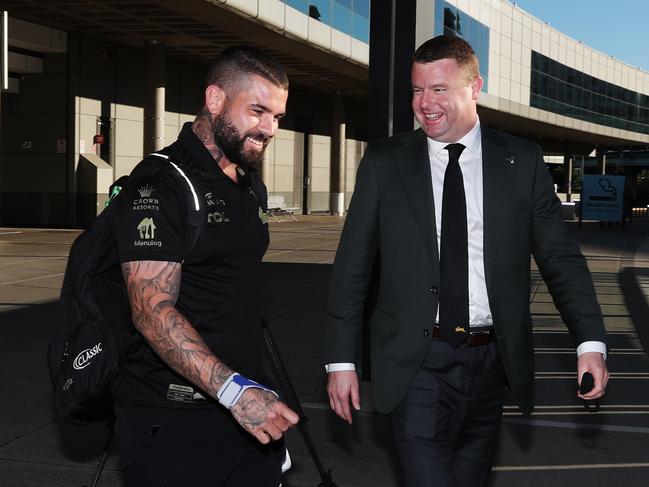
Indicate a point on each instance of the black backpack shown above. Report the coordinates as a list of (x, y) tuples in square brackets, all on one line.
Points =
[(93, 320)]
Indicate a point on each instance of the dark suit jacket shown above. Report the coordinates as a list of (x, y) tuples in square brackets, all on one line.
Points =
[(392, 217)]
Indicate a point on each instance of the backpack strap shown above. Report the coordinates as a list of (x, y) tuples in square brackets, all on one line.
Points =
[(183, 175), (196, 212)]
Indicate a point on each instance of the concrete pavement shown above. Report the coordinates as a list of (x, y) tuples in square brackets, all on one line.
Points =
[(561, 443)]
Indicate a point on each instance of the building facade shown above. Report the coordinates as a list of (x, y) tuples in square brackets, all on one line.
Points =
[(537, 73), (95, 86)]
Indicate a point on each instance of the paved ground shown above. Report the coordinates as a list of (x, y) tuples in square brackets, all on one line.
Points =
[(561, 444)]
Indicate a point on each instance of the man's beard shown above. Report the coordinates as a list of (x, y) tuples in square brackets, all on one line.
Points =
[(231, 142)]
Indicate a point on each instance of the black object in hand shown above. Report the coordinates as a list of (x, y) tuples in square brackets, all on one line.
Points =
[(587, 383)]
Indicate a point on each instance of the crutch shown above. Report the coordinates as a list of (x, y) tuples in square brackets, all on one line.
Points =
[(102, 460), (294, 403)]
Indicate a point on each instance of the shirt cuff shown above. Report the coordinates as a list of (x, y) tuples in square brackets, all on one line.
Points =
[(339, 367), (592, 347)]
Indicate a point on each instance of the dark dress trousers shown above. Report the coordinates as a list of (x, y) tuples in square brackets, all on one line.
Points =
[(392, 217)]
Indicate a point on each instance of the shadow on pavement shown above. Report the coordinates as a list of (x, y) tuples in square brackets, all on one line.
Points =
[(30, 429), (636, 302), (295, 302)]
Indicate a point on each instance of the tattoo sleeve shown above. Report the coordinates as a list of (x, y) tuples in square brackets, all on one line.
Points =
[(153, 288)]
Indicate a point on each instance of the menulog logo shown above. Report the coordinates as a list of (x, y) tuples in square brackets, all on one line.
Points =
[(83, 359)]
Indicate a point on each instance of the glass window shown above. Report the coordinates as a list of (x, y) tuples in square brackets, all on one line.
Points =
[(449, 20), (643, 115), (561, 89), (361, 28), (342, 16), (320, 10), (349, 16), (439, 23), (301, 5), (362, 8), (570, 76)]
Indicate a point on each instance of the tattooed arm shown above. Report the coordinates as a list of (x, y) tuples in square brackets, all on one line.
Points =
[(153, 288)]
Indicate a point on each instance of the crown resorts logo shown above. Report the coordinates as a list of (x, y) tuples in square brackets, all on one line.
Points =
[(146, 191), (145, 201)]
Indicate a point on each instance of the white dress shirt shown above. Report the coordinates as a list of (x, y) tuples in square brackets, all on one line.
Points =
[(471, 165)]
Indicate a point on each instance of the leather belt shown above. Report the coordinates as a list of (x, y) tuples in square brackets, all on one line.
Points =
[(473, 338)]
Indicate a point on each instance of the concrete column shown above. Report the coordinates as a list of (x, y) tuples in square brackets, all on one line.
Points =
[(337, 174), (567, 164), (154, 97), (264, 169)]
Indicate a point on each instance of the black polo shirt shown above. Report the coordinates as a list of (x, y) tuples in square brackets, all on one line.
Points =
[(220, 292)]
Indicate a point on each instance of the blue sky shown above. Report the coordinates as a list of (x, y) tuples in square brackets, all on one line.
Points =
[(616, 27)]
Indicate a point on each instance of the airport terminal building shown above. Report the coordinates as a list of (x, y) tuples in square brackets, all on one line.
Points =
[(93, 86)]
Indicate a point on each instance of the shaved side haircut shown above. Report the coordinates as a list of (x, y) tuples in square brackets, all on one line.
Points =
[(240, 62)]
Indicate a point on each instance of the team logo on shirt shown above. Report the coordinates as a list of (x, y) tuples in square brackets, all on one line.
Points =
[(145, 201), (211, 201), (263, 216), (146, 191), (146, 229), (217, 217)]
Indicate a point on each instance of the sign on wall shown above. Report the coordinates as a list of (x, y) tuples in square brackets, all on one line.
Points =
[(602, 198)]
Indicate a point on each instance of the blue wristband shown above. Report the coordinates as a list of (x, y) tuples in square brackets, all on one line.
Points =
[(235, 386)]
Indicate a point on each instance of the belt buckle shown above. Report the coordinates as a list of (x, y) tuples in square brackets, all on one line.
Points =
[(481, 337), (486, 331)]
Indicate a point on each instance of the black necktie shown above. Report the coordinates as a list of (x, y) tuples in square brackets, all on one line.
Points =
[(454, 254)]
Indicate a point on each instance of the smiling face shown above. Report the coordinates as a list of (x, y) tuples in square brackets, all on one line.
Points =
[(249, 119), (444, 100)]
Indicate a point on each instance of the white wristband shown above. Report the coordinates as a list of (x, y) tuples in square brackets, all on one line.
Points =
[(234, 387)]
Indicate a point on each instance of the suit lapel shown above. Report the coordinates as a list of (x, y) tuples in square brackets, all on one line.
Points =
[(494, 180), (414, 167)]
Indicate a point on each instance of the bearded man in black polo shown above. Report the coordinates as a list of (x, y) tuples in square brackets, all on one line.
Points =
[(191, 405)]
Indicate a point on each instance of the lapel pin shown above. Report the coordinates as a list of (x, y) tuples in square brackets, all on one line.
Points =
[(510, 159)]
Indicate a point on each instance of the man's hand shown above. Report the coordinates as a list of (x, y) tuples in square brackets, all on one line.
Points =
[(263, 415), (343, 386), (594, 363)]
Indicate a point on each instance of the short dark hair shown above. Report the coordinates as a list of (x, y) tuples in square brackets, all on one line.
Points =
[(239, 62), (449, 47)]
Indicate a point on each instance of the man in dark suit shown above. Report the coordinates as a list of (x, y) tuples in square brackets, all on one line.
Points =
[(453, 212)]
